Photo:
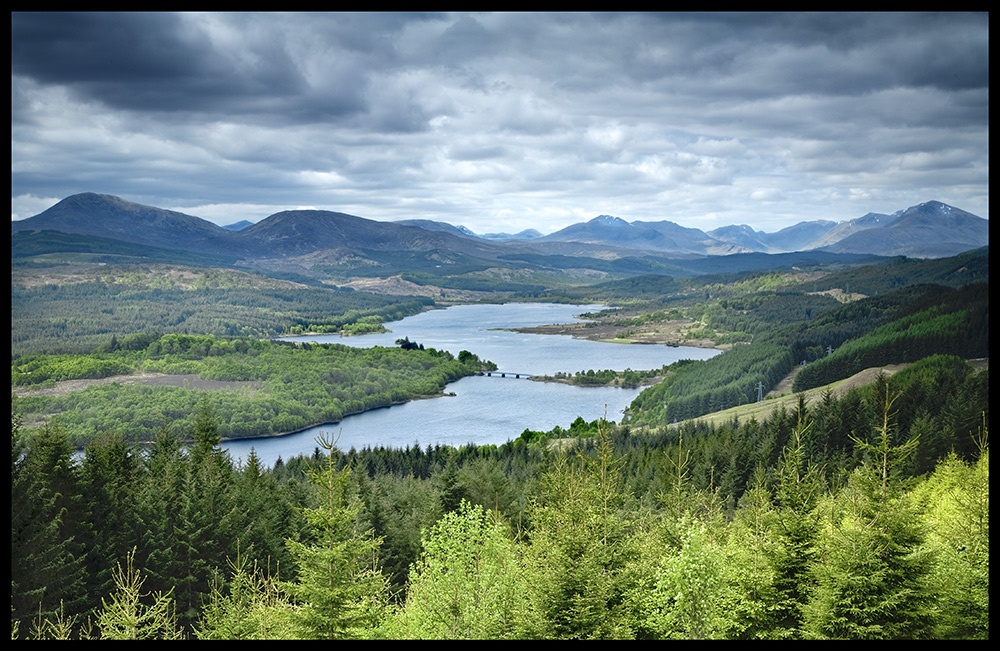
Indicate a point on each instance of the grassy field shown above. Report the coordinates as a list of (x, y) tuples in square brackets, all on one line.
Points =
[(782, 395)]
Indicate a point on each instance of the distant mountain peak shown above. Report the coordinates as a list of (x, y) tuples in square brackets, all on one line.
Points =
[(527, 234), (931, 208), (111, 217), (238, 226), (608, 220), (928, 230)]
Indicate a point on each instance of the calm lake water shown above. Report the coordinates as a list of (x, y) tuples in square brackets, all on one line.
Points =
[(483, 410)]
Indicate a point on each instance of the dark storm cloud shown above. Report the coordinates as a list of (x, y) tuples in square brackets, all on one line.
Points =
[(151, 63), (529, 119)]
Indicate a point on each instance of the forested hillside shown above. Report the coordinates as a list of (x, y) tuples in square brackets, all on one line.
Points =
[(75, 309), (775, 322), (934, 320)]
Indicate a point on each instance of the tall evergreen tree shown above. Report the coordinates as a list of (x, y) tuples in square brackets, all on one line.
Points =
[(338, 591), (397, 510), (872, 571), (796, 526), (35, 553), (750, 543), (111, 475), (209, 515), (49, 526), (580, 548), (162, 551), (262, 517)]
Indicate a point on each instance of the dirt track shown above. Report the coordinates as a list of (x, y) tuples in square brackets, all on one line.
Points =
[(782, 393), (152, 379)]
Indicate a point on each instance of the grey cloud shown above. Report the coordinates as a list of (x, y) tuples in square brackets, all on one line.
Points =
[(470, 153), (465, 39), (170, 63), (554, 115), (91, 48)]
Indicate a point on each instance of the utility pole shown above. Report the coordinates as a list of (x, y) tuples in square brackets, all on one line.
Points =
[(760, 391)]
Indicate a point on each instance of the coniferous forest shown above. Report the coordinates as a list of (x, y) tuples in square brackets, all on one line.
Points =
[(862, 514)]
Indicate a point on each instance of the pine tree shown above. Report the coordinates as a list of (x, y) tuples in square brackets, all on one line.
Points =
[(111, 476), (162, 551), (124, 616), (337, 590), (580, 548), (250, 608), (208, 513), (751, 546), (262, 516), (872, 571), (59, 627), (49, 526), (796, 527), (397, 510)]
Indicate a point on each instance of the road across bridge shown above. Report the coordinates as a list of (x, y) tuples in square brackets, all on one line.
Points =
[(504, 374)]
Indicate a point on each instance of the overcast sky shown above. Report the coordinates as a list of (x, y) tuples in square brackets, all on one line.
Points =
[(504, 121)]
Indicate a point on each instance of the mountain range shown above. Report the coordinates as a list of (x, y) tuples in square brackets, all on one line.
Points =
[(317, 237), (928, 230)]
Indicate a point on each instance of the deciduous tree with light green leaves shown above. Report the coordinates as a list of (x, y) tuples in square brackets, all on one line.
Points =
[(470, 582), (686, 584)]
